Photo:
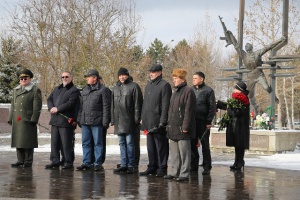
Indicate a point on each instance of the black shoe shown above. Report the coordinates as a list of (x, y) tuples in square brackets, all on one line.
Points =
[(27, 165), (17, 164), (131, 170), (120, 170), (161, 173), (206, 172), (62, 163), (52, 166), (98, 168), (83, 167), (239, 166), (180, 179), (148, 172), (233, 166), (68, 166), (169, 177)]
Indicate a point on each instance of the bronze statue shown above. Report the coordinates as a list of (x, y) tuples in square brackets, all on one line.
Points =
[(251, 60)]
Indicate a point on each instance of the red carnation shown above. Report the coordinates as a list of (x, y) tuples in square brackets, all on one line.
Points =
[(70, 120), (19, 118), (252, 114), (145, 132)]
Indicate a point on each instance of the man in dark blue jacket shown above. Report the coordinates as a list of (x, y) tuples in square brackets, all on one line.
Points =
[(154, 120), (93, 117), (205, 112), (62, 104)]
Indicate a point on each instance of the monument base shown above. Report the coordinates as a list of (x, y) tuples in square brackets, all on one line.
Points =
[(261, 141)]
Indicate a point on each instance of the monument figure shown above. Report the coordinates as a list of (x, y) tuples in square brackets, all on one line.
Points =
[(251, 60)]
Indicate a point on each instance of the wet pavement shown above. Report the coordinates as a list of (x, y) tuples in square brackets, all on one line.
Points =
[(39, 183)]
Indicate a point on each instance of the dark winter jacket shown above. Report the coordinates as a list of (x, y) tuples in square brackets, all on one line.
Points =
[(127, 101), (182, 114), (24, 115), (66, 100), (95, 105), (156, 103), (206, 103), (237, 132)]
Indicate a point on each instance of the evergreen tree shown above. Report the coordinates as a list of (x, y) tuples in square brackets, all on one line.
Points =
[(158, 52), (10, 51)]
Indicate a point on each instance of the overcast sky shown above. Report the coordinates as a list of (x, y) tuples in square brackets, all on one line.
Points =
[(168, 19), (173, 19), (178, 19)]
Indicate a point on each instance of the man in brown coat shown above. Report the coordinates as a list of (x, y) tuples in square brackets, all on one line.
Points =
[(24, 115), (181, 126)]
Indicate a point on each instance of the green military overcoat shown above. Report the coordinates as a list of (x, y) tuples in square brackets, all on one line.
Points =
[(24, 115)]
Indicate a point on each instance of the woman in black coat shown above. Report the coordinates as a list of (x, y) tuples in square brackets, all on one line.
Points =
[(237, 131)]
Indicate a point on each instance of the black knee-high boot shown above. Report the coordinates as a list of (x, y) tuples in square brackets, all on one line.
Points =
[(236, 152), (241, 162)]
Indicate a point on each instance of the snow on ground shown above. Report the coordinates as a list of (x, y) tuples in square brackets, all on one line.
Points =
[(287, 160)]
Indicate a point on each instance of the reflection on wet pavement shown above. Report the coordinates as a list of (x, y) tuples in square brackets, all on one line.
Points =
[(38, 183)]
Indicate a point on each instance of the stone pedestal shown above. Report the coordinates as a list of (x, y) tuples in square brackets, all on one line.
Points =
[(261, 141)]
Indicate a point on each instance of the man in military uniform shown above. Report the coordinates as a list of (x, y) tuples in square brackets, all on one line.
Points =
[(24, 115)]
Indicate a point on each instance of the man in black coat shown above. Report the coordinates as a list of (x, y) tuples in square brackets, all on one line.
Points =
[(154, 120), (205, 112), (63, 105)]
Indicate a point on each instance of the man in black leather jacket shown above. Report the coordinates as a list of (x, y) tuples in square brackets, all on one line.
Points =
[(126, 110), (205, 112)]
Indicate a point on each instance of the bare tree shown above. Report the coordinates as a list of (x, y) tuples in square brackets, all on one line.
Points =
[(75, 36)]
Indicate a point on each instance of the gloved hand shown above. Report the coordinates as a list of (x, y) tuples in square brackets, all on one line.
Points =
[(105, 126), (162, 127), (74, 125), (30, 122)]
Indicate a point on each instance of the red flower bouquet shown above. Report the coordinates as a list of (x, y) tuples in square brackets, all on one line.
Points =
[(238, 101)]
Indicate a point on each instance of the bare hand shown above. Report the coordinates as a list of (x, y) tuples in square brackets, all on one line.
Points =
[(208, 126), (53, 110)]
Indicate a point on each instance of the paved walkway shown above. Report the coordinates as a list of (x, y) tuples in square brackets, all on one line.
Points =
[(38, 183)]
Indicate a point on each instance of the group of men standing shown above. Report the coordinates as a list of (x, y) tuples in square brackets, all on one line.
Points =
[(181, 117)]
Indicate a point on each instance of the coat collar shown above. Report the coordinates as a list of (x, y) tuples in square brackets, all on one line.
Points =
[(125, 82), (27, 87), (156, 80), (199, 86), (177, 89), (68, 86)]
